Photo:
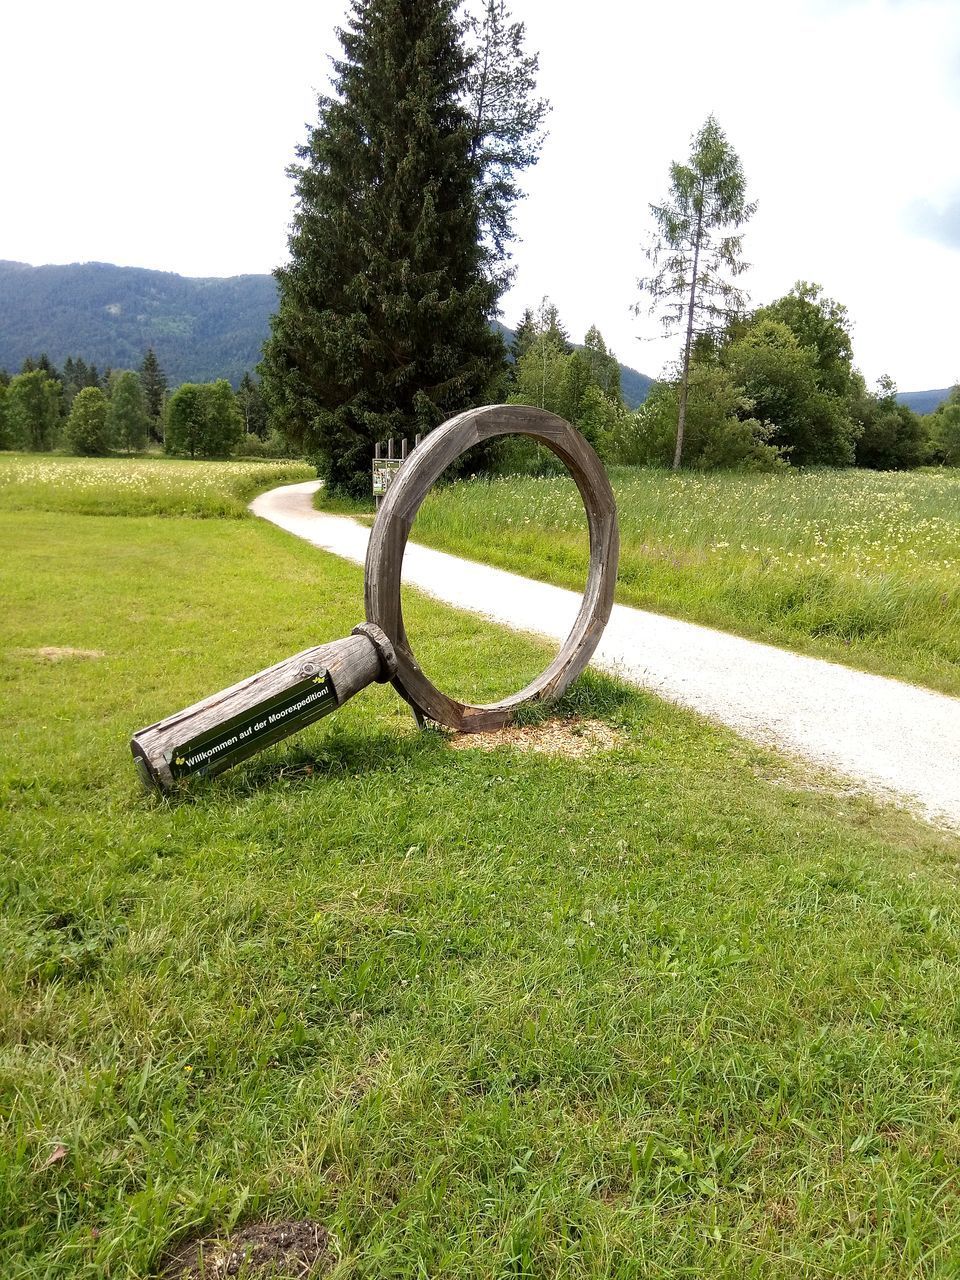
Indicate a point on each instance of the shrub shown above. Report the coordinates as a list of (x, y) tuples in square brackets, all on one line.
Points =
[(720, 430), (274, 445)]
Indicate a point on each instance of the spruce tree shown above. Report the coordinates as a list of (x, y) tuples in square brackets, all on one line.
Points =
[(604, 366), (154, 383), (524, 335), (253, 406), (382, 328), (550, 324)]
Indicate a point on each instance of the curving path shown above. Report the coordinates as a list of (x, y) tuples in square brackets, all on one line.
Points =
[(895, 739)]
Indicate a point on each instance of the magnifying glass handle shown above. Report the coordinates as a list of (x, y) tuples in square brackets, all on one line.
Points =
[(235, 723)]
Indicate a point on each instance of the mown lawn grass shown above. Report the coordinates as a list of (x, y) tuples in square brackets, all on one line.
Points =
[(859, 567), (676, 1010)]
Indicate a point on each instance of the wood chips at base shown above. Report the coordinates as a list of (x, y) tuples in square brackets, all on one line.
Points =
[(570, 739)]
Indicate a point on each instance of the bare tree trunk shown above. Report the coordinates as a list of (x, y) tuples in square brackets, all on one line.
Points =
[(688, 344)]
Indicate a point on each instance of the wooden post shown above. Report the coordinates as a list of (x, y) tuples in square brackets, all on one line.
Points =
[(223, 729)]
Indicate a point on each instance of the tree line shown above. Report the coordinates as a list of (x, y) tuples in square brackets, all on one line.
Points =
[(43, 407), (400, 251), (762, 388), (399, 254), (124, 410), (778, 386), (769, 388)]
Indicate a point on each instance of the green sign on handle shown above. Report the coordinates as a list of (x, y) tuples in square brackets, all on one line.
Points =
[(272, 719)]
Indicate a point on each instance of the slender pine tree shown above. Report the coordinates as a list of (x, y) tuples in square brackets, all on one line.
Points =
[(693, 255), (382, 327)]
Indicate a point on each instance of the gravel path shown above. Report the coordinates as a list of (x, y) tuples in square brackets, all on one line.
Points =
[(894, 739)]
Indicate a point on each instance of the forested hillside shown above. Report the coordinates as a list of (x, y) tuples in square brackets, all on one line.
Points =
[(200, 329), (923, 401)]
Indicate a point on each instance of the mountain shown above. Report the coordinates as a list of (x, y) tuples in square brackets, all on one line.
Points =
[(923, 401), (634, 386), (201, 329)]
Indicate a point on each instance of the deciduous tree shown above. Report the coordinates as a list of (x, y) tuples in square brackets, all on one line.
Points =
[(33, 410), (203, 418), (821, 324), (6, 437), (944, 428), (86, 430), (581, 385), (128, 421), (781, 379)]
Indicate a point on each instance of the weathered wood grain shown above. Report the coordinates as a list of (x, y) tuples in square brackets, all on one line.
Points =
[(391, 530), (235, 723), (338, 670)]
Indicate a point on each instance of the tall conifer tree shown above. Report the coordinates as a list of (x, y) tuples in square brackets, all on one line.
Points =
[(382, 327), (154, 383)]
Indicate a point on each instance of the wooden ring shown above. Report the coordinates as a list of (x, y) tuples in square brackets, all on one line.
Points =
[(391, 530)]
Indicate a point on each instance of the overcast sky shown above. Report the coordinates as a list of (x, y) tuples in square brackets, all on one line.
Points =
[(159, 137)]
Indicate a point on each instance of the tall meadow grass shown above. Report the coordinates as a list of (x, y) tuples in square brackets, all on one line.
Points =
[(140, 486), (863, 567)]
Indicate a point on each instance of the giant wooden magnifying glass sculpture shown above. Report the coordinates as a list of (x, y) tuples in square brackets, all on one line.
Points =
[(231, 725)]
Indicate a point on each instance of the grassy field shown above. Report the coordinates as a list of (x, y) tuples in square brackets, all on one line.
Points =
[(860, 567), (140, 487), (672, 1010)]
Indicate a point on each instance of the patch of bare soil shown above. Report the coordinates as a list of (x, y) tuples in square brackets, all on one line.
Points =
[(287, 1250), (54, 653), (570, 739)]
